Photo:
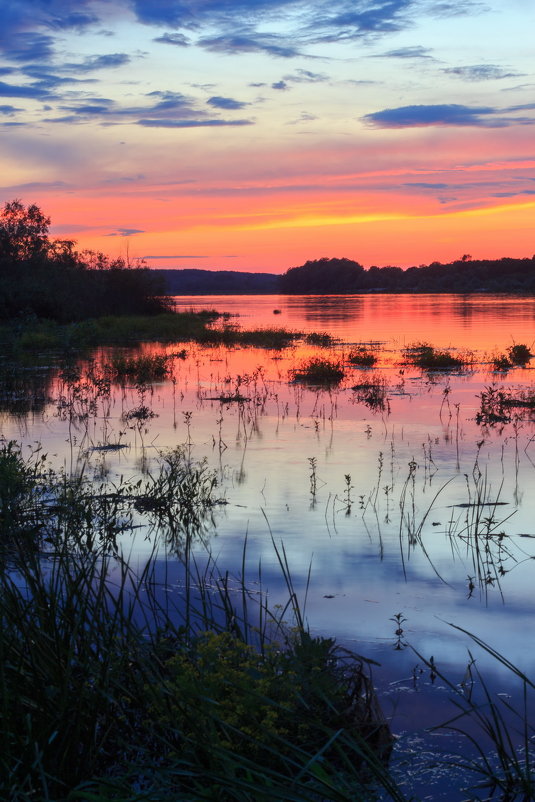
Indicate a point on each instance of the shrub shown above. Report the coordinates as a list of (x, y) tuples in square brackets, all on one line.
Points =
[(519, 354)]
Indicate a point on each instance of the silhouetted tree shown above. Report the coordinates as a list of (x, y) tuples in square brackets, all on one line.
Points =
[(50, 279)]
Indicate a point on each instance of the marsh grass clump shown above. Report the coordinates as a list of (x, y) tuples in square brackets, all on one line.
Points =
[(317, 370), (517, 355), (320, 338), (228, 334), (501, 363), (372, 393), (496, 404), (19, 494), (271, 705), (142, 369), (427, 357), (362, 357), (42, 509)]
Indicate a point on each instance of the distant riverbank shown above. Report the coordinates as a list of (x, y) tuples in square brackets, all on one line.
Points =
[(345, 276)]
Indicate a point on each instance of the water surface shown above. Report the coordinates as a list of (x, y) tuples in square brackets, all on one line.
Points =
[(409, 508)]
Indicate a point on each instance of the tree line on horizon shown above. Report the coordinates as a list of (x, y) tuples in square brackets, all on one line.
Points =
[(48, 278), (329, 276)]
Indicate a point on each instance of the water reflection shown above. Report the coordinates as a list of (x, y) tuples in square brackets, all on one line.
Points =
[(362, 482)]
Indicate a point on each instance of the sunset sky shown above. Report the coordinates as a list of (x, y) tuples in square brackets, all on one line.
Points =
[(257, 134)]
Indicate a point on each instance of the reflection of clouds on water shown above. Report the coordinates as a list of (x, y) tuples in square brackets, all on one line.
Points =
[(406, 545)]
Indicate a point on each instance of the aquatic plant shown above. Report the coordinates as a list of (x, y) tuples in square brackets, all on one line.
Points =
[(499, 732), (372, 393), (426, 356), (321, 338), (519, 354), (143, 369), (362, 357), (498, 404), (317, 370)]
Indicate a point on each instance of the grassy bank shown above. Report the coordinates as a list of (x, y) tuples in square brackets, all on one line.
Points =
[(32, 335)]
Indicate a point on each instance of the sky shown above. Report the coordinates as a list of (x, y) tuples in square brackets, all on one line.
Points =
[(256, 134)]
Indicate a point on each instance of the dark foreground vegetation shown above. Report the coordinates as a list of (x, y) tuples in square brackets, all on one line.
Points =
[(110, 691), (48, 278)]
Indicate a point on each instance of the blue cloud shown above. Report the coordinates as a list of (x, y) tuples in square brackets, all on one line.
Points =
[(177, 39), (226, 103), (250, 42), (440, 114), (28, 47), (282, 85), (415, 52), (34, 91), (125, 232), (481, 72), (102, 62), (513, 194), (9, 110), (425, 185), (148, 123)]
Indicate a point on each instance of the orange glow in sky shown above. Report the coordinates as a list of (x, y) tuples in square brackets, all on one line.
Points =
[(189, 137)]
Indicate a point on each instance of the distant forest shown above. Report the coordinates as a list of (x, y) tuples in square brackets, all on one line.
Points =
[(337, 276), (345, 276)]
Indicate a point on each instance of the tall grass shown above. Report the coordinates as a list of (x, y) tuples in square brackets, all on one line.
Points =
[(109, 690)]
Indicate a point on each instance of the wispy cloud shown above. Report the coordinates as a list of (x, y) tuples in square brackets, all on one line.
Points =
[(177, 39), (306, 77), (147, 123), (250, 42), (125, 232), (9, 110), (31, 91), (225, 103), (101, 62), (481, 72), (446, 114), (414, 52)]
